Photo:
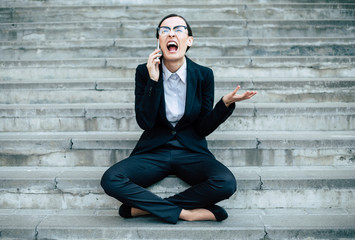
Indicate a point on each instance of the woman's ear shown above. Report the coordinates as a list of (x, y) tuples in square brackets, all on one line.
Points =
[(189, 42)]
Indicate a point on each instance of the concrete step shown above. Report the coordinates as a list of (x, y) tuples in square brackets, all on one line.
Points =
[(206, 47), (46, 31), (120, 90), (121, 117), (241, 61), (241, 224), (222, 66), (191, 12), (233, 148), (50, 3), (74, 72), (258, 188)]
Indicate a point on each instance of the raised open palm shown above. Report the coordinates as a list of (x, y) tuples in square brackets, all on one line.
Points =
[(233, 97)]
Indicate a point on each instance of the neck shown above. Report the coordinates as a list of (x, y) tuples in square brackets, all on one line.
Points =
[(173, 66)]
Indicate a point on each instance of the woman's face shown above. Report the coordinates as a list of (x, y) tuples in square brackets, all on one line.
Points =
[(174, 43)]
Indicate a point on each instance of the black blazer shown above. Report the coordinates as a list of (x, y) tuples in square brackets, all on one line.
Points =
[(200, 118)]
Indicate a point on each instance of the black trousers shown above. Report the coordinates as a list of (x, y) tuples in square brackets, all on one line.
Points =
[(210, 181)]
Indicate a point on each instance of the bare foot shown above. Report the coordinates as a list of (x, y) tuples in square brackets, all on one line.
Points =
[(199, 214), (135, 212)]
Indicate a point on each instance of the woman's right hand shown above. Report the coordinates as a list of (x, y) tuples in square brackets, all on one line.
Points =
[(153, 65)]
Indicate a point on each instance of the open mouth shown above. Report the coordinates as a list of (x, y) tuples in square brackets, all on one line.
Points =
[(172, 46)]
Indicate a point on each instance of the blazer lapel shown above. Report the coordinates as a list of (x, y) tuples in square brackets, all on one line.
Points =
[(191, 81), (162, 111)]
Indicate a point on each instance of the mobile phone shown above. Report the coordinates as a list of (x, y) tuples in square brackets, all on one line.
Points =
[(158, 47)]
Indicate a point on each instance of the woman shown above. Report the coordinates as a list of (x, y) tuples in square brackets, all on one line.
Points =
[(174, 107)]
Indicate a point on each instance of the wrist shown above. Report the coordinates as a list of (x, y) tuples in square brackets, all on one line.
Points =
[(154, 78), (227, 103)]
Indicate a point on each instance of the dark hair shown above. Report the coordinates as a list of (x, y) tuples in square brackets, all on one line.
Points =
[(189, 31)]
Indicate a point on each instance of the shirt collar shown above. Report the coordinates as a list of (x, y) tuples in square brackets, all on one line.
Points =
[(181, 72)]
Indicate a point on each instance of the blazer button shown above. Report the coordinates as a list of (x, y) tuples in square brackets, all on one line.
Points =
[(173, 132)]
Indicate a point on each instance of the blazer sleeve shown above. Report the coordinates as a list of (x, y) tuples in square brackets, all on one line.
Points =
[(147, 98), (210, 118)]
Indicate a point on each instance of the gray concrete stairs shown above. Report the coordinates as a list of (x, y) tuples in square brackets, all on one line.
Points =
[(66, 115)]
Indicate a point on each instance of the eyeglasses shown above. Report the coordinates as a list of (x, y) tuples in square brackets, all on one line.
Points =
[(166, 30)]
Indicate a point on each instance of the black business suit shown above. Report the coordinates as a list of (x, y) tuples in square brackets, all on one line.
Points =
[(181, 150)]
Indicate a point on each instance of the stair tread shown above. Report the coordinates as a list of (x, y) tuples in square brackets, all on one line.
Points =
[(210, 21), (227, 141), (131, 62), (6, 3), (228, 135), (131, 105), (126, 110), (242, 173), (217, 63), (211, 41), (99, 84), (217, 79), (191, 11), (254, 224), (191, 5), (142, 59)]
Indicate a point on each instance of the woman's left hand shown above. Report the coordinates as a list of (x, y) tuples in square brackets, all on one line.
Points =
[(234, 97)]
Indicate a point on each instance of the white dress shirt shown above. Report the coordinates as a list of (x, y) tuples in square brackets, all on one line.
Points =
[(174, 93)]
